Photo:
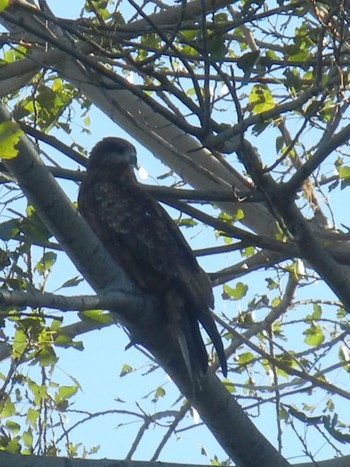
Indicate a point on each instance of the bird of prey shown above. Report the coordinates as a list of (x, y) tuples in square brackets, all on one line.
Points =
[(147, 244)]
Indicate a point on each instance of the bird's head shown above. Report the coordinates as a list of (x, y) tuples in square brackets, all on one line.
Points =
[(112, 153)]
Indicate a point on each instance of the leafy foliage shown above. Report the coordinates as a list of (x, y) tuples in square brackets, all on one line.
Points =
[(265, 81)]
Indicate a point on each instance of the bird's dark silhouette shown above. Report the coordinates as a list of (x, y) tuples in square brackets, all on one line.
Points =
[(148, 245)]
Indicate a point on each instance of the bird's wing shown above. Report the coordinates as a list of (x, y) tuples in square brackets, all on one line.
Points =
[(142, 237), (147, 244)]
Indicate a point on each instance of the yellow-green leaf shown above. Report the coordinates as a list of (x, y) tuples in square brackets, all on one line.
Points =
[(27, 438), (314, 335), (245, 357), (160, 392), (99, 316), (8, 409), (126, 369), (13, 426), (10, 134), (32, 417), (261, 99), (4, 4), (19, 344), (235, 293)]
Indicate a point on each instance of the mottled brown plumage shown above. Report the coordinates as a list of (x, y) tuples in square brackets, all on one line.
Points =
[(144, 240)]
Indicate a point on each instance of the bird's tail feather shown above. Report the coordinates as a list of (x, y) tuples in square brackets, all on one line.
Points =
[(186, 329), (209, 325)]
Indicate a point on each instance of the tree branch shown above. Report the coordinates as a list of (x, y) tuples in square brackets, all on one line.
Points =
[(223, 416)]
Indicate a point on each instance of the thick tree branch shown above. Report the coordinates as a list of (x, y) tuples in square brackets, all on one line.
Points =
[(325, 149), (284, 208), (223, 416), (176, 148), (117, 301), (17, 460)]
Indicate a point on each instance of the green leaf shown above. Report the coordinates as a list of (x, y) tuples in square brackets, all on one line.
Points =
[(66, 342), (34, 227), (47, 261), (248, 251), (275, 301), (279, 144), (32, 417), (72, 282), (217, 47), (99, 316), (283, 414), (239, 215), (330, 405), (293, 80), (9, 229), (314, 335), (261, 99), (235, 293), (8, 408), (245, 357), (19, 344), (187, 222), (13, 446), (126, 369), (271, 284), (10, 134), (27, 438), (344, 357), (4, 4), (64, 393), (13, 426), (39, 392), (46, 356), (317, 313), (55, 325), (247, 61), (344, 175), (94, 449), (160, 392)]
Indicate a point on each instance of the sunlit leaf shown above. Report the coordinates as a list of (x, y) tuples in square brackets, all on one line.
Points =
[(27, 438), (99, 316), (317, 311), (7, 408), (261, 99), (126, 369), (159, 393), (19, 344), (187, 222), (344, 175), (4, 4), (235, 293), (10, 134), (32, 417), (47, 261), (64, 393), (13, 446), (245, 357), (314, 335), (13, 426)]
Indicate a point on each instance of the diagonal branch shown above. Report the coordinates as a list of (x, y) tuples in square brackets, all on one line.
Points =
[(223, 416)]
